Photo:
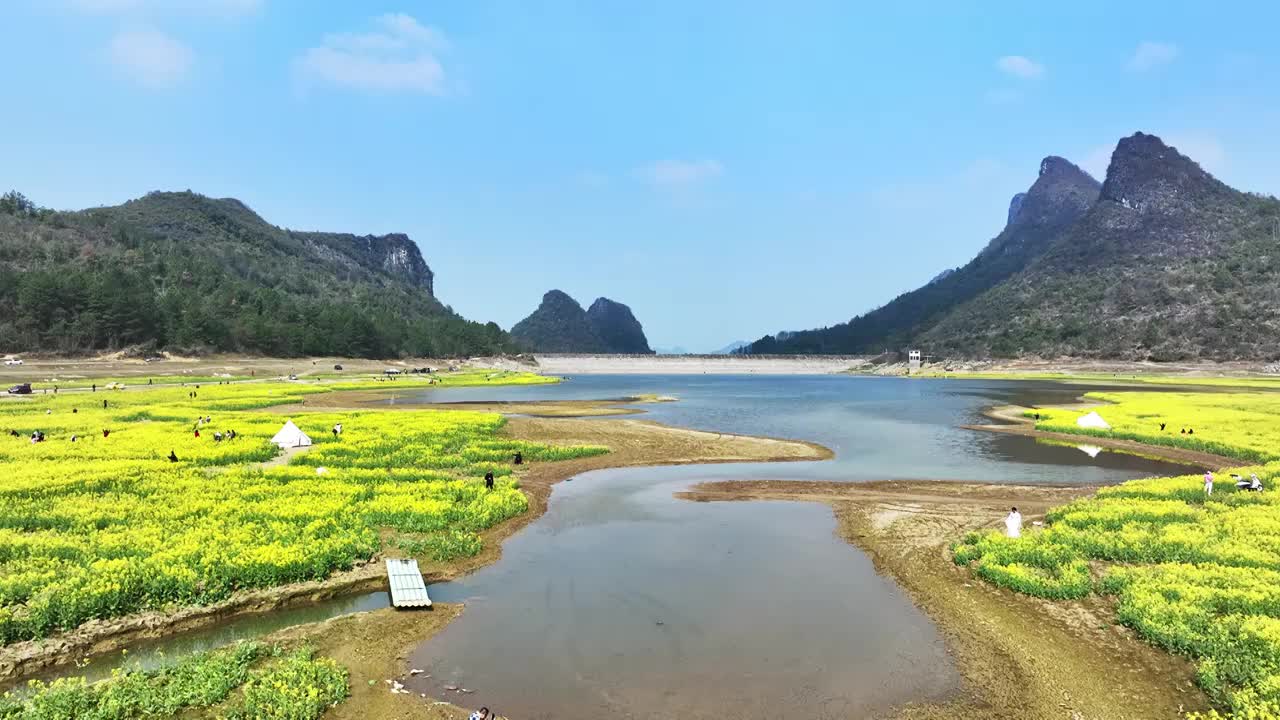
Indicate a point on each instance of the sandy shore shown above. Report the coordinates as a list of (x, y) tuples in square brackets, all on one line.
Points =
[(1020, 657), (631, 442), (697, 364), (1011, 421)]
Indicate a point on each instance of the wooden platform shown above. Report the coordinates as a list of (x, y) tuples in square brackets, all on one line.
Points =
[(407, 586)]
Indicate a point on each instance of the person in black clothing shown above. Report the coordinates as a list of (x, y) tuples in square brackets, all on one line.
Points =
[(95, 387), (1191, 431), (14, 433), (488, 480), (518, 459), (74, 410), (172, 456), (1161, 427), (105, 432)]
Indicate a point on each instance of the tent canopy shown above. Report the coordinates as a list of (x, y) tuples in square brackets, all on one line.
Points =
[(291, 436), (1092, 420)]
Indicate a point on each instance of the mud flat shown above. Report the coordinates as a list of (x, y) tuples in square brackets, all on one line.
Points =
[(1020, 657)]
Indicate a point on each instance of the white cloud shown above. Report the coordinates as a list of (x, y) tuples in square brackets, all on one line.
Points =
[(1150, 55), (150, 57), (1020, 66), (398, 55), (207, 7), (680, 173)]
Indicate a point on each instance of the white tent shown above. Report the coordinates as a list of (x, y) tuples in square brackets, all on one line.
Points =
[(291, 436), (1092, 420)]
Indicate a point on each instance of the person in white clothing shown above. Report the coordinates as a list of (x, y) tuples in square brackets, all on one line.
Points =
[(1013, 524), (1208, 482)]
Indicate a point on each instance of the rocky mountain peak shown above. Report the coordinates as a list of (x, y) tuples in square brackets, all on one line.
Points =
[(559, 300), (560, 325), (1062, 191), (399, 256), (1146, 175), (614, 324), (1015, 204)]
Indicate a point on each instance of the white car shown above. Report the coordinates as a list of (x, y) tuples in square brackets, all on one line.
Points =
[(13, 361)]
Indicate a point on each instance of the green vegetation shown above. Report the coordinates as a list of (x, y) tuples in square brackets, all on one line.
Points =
[(1239, 425), (274, 684), (106, 525), (1197, 575), (189, 273), (1166, 264), (561, 325)]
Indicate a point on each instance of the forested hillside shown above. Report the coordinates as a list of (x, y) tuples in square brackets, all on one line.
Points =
[(1163, 262), (560, 325), (185, 272)]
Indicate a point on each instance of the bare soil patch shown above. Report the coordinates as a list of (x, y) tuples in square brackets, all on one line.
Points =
[(1021, 657)]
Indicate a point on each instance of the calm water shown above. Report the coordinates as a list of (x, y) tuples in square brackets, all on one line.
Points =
[(879, 428), (625, 601)]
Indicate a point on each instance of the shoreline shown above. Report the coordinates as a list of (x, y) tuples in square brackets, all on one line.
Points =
[(633, 443), (1014, 652), (1009, 421), (1018, 656)]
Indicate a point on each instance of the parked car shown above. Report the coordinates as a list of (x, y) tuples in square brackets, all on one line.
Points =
[(21, 389), (337, 367), (13, 361)]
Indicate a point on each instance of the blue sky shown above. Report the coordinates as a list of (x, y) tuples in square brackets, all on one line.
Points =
[(726, 168)]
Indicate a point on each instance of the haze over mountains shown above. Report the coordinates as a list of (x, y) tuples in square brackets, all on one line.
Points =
[(560, 325), (1161, 261)]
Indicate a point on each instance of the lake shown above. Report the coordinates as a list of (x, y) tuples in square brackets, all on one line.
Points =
[(624, 601)]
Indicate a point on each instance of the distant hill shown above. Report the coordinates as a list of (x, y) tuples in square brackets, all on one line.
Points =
[(560, 325), (732, 347), (1160, 262), (617, 328), (182, 271)]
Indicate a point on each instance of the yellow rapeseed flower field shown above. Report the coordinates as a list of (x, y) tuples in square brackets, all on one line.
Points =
[(108, 525), (1197, 574)]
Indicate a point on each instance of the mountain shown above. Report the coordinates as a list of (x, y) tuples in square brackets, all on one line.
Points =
[(181, 271), (732, 347), (1061, 195), (560, 325), (614, 324), (1163, 262)]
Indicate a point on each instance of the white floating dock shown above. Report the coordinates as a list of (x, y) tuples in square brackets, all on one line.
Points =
[(407, 586)]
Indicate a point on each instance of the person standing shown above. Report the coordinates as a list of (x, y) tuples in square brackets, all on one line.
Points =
[(488, 480), (1208, 483), (1013, 523)]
